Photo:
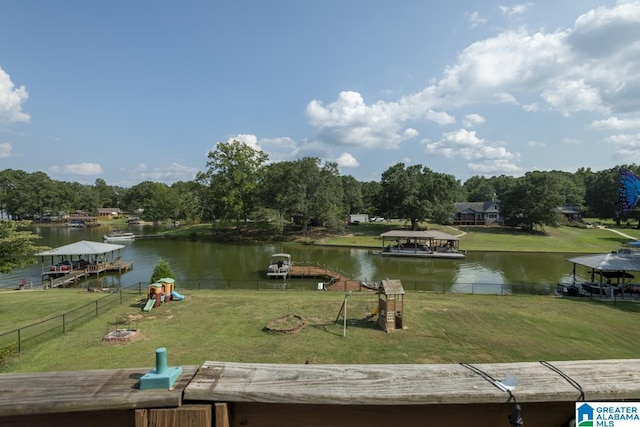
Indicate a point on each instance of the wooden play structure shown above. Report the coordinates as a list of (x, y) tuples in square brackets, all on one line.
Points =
[(390, 305), (161, 291)]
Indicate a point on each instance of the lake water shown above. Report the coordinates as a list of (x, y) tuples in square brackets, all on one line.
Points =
[(228, 265)]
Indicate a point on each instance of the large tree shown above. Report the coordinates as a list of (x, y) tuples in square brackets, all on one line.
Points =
[(17, 245), (305, 191), (155, 199), (419, 194), (533, 201), (234, 171)]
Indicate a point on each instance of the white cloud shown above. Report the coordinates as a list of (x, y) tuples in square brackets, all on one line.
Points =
[(349, 121), (536, 144), (168, 174), (471, 120), (616, 124), (346, 160), (517, 9), (476, 20), (11, 100), (79, 169), (590, 67), (5, 150), (250, 140), (626, 146), (482, 155)]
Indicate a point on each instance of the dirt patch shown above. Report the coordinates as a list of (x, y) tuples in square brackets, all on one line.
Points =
[(121, 336), (287, 324)]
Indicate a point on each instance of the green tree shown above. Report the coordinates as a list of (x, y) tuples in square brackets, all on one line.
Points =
[(352, 195), (162, 270), (155, 199), (533, 201), (17, 245), (305, 191), (234, 171), (479, 189), (372, 202), (419, 194)]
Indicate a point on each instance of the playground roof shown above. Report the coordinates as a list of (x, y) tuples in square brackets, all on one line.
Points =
[(83, 247)]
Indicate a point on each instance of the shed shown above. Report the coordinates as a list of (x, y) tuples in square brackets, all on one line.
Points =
[(357, 218), (390, 305)]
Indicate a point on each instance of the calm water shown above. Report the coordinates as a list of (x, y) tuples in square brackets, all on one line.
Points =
[(205, 264)]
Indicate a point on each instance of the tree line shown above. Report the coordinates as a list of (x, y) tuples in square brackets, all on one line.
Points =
[(240, 184)]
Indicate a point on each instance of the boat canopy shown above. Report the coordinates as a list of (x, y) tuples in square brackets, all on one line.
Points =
[(83, 247), (417, 234)]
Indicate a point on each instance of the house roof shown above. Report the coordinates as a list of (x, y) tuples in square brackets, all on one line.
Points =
[(411, 234), (483, 207), (609, 261), (83, 247)]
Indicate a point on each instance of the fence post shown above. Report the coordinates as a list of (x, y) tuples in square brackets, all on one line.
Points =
[(96, 308), (19, 342), (64, 324), (120, 296)]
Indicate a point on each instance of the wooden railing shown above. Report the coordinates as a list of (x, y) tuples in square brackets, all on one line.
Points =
[(226, 394)]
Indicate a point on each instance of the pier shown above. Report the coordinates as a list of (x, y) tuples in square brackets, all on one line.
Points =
[(70, 277), (336, 279)]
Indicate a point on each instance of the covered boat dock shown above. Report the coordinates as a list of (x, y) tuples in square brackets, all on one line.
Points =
[(416, 243), (607, 266), (81, 259)]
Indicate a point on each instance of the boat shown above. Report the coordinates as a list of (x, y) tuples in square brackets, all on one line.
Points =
[(421, 244), (118, 236), (279, 266)]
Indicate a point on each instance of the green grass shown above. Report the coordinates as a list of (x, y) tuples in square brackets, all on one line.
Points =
[(559, 239), (20, 308), (229, 326)]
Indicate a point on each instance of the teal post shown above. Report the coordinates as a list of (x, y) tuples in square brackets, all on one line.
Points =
[(162, 376)]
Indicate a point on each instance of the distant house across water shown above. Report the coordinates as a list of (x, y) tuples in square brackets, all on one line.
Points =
[(109, 213), (477, 213)]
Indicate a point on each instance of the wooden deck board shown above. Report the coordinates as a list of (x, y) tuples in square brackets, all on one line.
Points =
[(411, 384), (73, 391), (340, 283)]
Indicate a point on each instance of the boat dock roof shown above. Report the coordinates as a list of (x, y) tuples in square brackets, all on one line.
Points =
[(418, 234)]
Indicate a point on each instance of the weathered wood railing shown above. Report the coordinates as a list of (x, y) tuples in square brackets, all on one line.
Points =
[(259, 395)]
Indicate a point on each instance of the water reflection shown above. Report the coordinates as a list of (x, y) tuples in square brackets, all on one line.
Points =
[(218, 264)]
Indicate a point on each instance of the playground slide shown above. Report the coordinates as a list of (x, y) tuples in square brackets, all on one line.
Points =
[(176, 296), (149, 305)]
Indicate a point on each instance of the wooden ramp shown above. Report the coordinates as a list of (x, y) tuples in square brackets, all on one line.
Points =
[(335, 280)]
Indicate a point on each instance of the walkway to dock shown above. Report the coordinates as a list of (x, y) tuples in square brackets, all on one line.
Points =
[(74, 275), (336, 280)]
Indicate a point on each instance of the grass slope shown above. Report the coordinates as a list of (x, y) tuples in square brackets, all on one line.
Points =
[(228, 326)]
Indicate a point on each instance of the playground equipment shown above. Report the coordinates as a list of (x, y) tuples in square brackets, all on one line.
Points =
[(161, 291)]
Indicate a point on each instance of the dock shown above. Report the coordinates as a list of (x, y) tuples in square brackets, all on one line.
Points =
[(73, 276), (335, 279)]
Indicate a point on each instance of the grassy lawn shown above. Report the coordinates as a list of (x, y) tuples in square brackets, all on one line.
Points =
[(229, 326), (560, 239)]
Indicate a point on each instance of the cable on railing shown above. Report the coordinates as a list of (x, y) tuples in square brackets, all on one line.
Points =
[(515, 415)]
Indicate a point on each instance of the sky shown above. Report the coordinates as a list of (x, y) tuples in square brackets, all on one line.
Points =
[(142, 90)]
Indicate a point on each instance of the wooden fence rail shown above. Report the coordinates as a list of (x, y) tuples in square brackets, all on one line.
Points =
[(223, 394)]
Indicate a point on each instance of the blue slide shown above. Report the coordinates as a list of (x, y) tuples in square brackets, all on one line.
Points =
[(176, 296)]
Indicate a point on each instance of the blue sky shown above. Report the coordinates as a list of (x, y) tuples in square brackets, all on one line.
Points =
[(129, 91)]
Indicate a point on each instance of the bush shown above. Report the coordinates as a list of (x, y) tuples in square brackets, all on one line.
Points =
[(161, 271)]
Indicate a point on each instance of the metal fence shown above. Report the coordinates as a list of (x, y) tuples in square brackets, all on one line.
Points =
[(21, 339)]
